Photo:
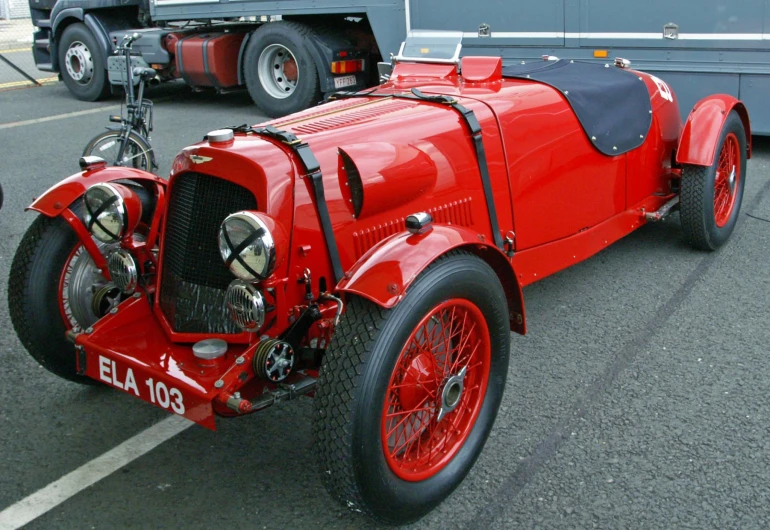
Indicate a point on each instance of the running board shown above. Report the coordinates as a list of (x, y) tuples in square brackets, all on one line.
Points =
[(663, 211)]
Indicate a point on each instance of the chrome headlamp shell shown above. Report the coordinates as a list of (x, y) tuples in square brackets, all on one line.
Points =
[(246, 305), (247, 246), (106, 215)]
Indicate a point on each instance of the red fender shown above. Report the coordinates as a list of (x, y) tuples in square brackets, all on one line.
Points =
[(386, 271), (59, 196), (698, 142)]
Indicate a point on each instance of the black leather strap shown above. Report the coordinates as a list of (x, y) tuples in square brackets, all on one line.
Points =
[(475, 127), (313, 172)]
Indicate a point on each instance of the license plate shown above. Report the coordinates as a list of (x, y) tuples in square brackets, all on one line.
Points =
[(156, 388), (345, 80)]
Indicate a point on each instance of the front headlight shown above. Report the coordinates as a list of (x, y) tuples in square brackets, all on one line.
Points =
[(247, 246), (112, 211)]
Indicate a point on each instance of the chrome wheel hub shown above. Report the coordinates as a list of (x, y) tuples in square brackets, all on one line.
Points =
[(278, 71), (79, 63), (731, 180), (452, 393), (86, 294)]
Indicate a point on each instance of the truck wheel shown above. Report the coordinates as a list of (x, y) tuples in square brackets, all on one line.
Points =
[(279, 71), (54, 286), (406, 397), (711, 196), (81, 63)]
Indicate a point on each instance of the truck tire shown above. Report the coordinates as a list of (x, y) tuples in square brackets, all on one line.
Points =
[(385, 447), (52, 288), (711, 197), (279, 70), (81, 63)]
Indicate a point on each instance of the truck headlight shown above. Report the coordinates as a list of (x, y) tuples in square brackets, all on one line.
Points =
[(247, 244), (112, 211)]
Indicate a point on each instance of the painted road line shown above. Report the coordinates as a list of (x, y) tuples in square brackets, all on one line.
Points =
[(57, 117), (43, 81), (44, 500)]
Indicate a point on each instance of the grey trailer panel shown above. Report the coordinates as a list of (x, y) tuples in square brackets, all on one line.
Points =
[(701, 24), (510, 23), (208, 9), (755, 92)]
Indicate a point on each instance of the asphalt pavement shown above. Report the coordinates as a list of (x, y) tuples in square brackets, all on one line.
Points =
[(638, 399)]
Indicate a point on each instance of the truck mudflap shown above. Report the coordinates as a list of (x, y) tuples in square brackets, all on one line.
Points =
[(129, 350)]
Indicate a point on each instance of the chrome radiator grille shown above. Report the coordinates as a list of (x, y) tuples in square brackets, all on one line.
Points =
[(194, 278)]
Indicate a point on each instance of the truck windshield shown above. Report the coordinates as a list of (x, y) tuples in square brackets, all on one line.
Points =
[(431, 46)]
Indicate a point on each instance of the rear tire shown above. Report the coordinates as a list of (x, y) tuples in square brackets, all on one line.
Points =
[(280, 73), (138, 153), (377, 371), (711, 197), (81, 63)]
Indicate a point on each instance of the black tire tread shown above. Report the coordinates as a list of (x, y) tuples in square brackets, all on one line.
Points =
[(693, 221), (334, 401), (41, 346), (337, 390)]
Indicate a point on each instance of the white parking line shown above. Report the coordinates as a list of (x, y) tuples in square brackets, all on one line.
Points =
[(57, 117), (43, 500)]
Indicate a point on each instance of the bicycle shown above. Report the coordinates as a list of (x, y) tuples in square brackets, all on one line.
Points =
[(129, 144)]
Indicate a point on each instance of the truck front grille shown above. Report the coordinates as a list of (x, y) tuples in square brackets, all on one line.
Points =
[(194, 278)]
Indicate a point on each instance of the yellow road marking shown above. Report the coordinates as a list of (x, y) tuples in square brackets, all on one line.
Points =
[(14, 84), (17, 50)]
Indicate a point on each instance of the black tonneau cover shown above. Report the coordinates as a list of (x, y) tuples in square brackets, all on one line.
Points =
[(612, 104)]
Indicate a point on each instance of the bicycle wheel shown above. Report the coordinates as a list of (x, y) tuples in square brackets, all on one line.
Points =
[(137, 154)]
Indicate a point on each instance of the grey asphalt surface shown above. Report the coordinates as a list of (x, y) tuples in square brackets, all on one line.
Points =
[(639, 398)]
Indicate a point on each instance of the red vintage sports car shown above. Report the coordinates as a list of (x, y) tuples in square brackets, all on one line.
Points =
[(370, 252)]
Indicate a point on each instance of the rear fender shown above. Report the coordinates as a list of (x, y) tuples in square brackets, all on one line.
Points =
[(385, 272), (699, 138)]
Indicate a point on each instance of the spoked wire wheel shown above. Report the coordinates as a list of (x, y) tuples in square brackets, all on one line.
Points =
[(710, 197), (436, 390), (727, 179), (406, 396)]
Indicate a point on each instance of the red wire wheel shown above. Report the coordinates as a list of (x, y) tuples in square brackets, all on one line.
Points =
[(710, 196), (436, 390), (727, 179)]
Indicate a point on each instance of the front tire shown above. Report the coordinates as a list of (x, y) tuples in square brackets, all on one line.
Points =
[(137, 154), (407, 397), (280, 73), (711, 197), (53, 286), (81, 63)]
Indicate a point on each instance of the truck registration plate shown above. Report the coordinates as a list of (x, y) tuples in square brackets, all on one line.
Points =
[(345, 80)]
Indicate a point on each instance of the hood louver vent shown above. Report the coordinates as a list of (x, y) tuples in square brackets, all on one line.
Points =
[(334, 118)]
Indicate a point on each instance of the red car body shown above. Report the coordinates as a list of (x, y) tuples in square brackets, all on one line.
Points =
[(558, 201)]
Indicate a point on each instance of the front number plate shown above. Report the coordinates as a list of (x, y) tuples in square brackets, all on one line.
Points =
[(345, 80), (155, 388)]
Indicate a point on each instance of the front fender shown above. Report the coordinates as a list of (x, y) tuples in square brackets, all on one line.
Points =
[(699, 138), (62, 194), (385, 272)]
